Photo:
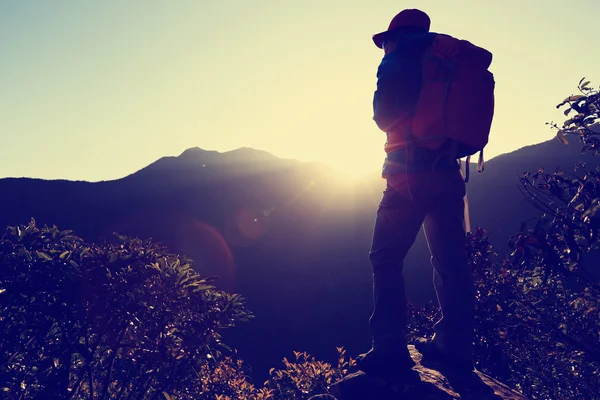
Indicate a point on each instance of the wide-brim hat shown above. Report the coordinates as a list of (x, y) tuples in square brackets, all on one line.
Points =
[(406, 18)]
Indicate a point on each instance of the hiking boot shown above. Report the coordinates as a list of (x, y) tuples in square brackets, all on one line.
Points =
[(383, 363), (434, 356)]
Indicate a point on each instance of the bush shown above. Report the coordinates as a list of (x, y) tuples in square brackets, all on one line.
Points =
[(123, 320), (126, 320), (307, 377)]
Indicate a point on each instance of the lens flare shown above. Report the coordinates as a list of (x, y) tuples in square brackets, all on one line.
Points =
[(247, 226)]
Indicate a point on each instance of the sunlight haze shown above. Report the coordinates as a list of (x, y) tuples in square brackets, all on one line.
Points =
[(97, 90)]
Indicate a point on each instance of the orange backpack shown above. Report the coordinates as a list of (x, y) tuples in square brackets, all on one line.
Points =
[(457, 97)]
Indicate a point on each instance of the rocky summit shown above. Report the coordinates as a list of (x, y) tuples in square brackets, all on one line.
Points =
[(426, 384)]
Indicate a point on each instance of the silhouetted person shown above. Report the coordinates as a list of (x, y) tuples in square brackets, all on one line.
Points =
[(424, 187)]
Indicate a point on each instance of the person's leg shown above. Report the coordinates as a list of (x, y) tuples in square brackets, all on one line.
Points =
[(398, 221), (453, 278)]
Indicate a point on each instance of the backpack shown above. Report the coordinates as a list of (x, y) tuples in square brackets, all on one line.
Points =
[(456, 99), (434, 87)]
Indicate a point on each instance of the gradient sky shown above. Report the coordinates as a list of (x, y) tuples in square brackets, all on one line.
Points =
[(95, 90)]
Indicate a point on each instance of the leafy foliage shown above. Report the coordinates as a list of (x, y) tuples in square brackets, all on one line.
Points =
[(307, 377), (559, 293), (123, 320), (227, 380), (126, 320)]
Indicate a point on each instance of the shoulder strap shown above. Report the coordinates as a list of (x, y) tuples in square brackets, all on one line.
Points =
[(480, 165), (467, 216)]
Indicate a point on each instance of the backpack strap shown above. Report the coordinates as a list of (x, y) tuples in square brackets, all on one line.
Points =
[(467, 216), (480, 163)]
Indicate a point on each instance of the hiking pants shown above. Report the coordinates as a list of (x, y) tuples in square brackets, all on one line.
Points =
[(433, 199)]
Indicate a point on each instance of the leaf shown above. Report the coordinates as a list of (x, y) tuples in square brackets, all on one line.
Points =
[(201, 288), (186, 281), (43, 255), (84, 252), (595, 127), (561, 137), (181, 276), (563, 328), (585, 84), (71, 238), (590, 310), (570, 99), (575, 98), (225, 346), (64, 254), (567, 111), (503, 333), (155, 266)]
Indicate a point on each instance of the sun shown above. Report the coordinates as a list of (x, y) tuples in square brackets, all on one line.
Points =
[(357, 168)]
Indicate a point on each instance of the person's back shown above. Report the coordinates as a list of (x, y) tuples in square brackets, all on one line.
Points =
[(424, 187)]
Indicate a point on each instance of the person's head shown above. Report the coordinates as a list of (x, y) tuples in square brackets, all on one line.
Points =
[(410, 21)]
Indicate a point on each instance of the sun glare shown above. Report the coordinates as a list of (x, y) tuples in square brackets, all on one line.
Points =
[(357, 172), (355, 166)]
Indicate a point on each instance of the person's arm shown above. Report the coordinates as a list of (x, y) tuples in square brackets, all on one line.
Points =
[(398, 87)]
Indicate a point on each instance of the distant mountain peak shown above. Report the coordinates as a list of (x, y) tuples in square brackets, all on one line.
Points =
[(193, 152), (241, 151), (249, 153), (242, 154)]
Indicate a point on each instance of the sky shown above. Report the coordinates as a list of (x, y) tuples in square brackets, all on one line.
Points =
[(96, 90)]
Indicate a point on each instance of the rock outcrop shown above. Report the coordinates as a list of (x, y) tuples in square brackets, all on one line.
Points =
[(426, 384)]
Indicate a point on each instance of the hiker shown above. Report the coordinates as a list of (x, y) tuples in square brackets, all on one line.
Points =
[(423, 84)]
